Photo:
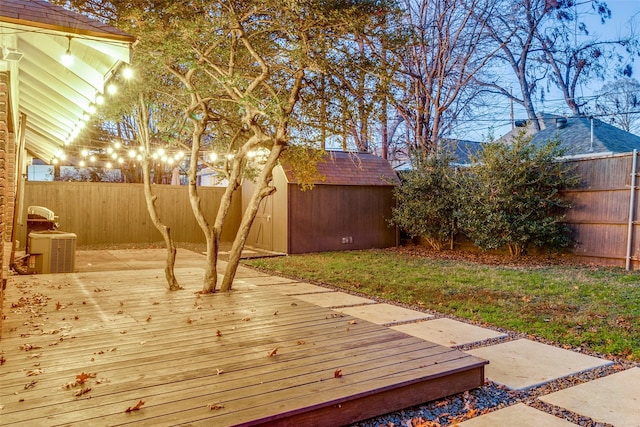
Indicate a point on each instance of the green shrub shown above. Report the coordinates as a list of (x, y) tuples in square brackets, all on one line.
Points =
[(427, 201), (510, 196)]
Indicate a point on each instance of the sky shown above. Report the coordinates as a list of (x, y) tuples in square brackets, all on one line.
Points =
[(497, 120)]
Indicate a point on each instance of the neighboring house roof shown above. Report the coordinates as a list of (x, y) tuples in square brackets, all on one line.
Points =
[(462, 150), (345, 168), (575, 134), (51, 98)]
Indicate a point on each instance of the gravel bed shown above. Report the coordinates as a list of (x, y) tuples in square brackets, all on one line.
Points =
[(491, 397)]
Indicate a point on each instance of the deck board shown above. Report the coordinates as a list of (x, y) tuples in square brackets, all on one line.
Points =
[(145, 343)]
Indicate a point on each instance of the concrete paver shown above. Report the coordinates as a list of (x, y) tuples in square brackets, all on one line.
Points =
[(268, 280), (519, 415), (384, 314), (448, 332), (333, 299), (614, 399), (296, 288), (524, 363)]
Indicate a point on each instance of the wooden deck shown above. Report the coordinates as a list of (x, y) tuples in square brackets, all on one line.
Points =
[(202, 360)]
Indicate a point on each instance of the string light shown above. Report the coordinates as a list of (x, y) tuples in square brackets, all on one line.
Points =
[(127, 72), (67, 57)]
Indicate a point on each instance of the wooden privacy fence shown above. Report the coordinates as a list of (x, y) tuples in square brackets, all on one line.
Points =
[(103, 213), (605, 210)]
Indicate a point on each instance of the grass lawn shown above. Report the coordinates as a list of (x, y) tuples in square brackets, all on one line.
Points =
[(593, 307)]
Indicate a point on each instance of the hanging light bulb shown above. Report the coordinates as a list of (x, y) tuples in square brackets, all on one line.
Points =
[(127, 72), (81, 164), (108, 165), (67, 57), (99, 99), (112, 89)]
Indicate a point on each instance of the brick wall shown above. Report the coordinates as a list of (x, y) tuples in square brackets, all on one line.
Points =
[(7, 189)]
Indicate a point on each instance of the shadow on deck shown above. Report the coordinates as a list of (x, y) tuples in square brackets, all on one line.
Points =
[(82, 348)]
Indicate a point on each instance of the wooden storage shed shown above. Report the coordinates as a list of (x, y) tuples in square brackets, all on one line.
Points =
[(348, 208)]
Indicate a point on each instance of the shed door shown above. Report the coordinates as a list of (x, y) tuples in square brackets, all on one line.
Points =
[(261, 234)]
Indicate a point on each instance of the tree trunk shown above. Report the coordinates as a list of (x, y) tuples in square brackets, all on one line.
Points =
[(261, 191), (144, 139), (210, 279), (163, 229)]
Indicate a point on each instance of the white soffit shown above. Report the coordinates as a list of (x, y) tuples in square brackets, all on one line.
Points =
[(52, 96)]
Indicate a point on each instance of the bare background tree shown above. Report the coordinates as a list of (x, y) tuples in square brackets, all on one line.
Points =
[(619, 102)]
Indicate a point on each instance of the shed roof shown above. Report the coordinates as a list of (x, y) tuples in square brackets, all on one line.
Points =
[(347, 168)]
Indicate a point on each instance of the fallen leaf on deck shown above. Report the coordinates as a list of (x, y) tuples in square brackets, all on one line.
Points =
[(337, 373), (31, 384), (275, 313), (353, 322), (34, 372), (58, 305), (29, 347), (218, 333), (148, 318), (215, 406), (82, 391), (83, 377), (2, 360), (246, 319), (301, 342), (136, 407), (272, 352), (219, 371), (189, 320)]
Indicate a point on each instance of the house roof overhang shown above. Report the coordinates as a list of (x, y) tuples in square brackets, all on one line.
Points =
[(52, 97)]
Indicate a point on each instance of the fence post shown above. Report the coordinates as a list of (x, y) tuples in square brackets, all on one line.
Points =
[(632, 201)]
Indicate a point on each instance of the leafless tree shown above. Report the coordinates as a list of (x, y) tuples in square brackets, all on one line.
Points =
[(444, 51), (619, 100)]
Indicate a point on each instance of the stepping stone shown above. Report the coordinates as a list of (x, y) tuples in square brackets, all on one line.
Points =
[(384, 314), (333, 299), (448, 332), (242, 272), (268, 280), (519, 415), (298, 288), (614, 399), (524, 363)]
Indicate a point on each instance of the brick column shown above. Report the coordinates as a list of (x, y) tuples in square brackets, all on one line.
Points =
[(6, 202)]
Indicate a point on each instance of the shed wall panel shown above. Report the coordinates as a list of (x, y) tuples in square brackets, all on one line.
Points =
[(333, 218)]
